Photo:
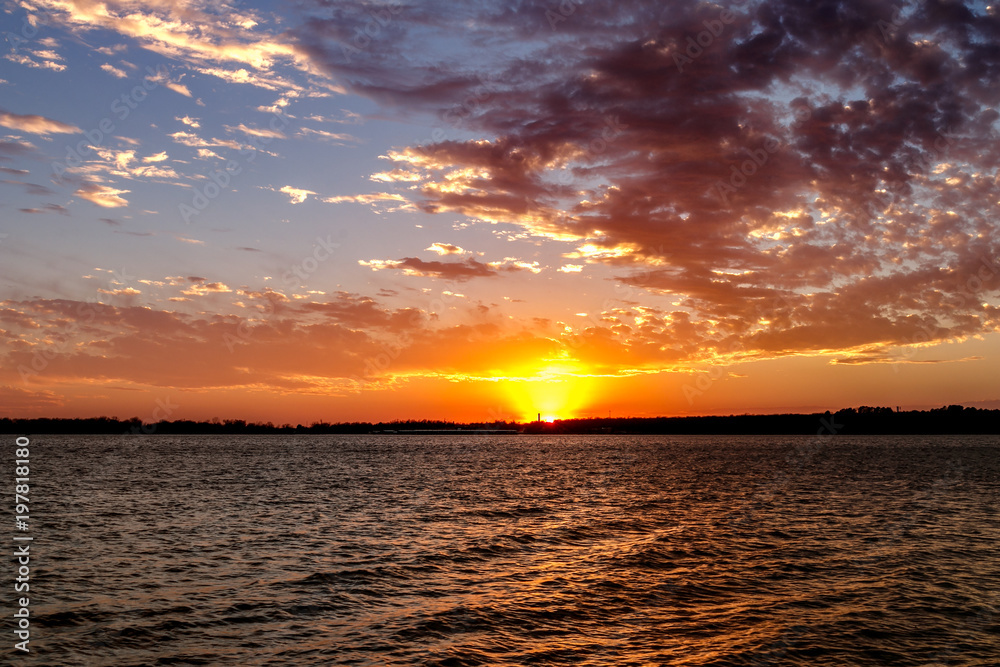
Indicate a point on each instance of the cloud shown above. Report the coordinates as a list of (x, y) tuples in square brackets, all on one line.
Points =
[(30, 402), (373, 199), (245, 76), (204, 154), (335, 138), (206, 34), (446, 249), (30, 188), (119, 163), (102, 195), (349, 118), (48, 208), (461, 271), (15, 148), (296, 195), (114, 71), (837, 173), (178, 88), (194, 141), (513, 263), (111, 50), (190, 122), (201, 288), (163, 78), (882, 357), (808, 184), (273, 343), (35, 124), (40, 60), (159, 157), (397, 175), (256, 132)]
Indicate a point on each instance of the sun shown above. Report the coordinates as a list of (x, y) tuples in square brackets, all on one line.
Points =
[(550, 397)]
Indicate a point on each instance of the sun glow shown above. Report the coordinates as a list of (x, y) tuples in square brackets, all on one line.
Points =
[(561, 396)]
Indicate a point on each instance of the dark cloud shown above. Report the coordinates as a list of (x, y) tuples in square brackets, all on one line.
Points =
[(461, 270), (30, 188), (48, 208), (11, 149), (837, 158)]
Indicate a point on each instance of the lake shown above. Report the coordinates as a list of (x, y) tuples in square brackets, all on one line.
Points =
[(514, 550)]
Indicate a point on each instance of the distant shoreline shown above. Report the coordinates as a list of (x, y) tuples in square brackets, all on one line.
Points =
[(949, 420)]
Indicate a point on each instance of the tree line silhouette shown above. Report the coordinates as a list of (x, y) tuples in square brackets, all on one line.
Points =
[(865, 420)]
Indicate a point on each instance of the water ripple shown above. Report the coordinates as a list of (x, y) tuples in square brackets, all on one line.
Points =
[(517, 551)]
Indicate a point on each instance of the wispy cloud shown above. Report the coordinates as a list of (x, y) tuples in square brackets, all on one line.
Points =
[(194, 141), (256, 132), (102, 195), (38, 59), (114, 71), (330, 137), (35, 124), (373, 199), (461, 270)]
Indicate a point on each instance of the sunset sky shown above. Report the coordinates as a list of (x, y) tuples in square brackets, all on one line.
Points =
[(320, 210)]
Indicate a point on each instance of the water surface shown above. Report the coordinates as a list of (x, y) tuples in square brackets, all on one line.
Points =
[(516, 550)]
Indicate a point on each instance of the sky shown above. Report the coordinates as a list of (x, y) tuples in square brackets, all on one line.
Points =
[(316, 210)]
